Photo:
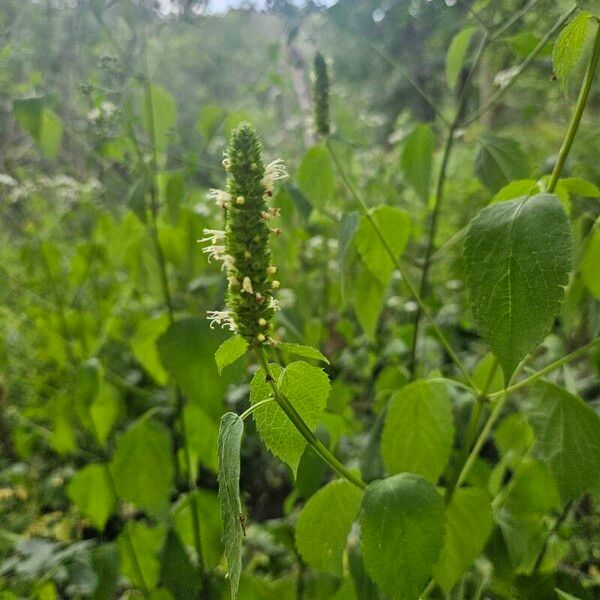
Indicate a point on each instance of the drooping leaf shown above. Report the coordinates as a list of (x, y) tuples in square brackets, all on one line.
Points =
[(230, 440), (315, 176), (394, 225), (468, 525), (568, 48), (402, 531), (324, 524), (90, 491), (139, 546), (418, 431), (590, 263), (567, 433), (307, 388), (142, 467), (417, 158), (229, 351), (144, 347), (499, 161), (159, 115), (347, 228), (515, 298), (456, 55), (304, 351)]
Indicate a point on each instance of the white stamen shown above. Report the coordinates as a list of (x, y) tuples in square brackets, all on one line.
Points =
[(222, 318), (273, 172), (247, 285), (220, 197), (214, 236)]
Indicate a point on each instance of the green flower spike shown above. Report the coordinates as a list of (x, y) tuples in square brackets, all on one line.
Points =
[(243, 247), (321, 95)]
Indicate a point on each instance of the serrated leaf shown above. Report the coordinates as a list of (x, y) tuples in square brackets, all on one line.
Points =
[(401, 533), (567, 433), (90, 491), (229, 351), (307, 388), (590, 263), (346, 230), (418, 431), (394, 225), (324, 524), (514, 298), (456, 55), (142, 466), (568, 48), (469, 523), (304, 351), (315, 176), (499, 161), (417, 158), (146, 543), (230, 440)]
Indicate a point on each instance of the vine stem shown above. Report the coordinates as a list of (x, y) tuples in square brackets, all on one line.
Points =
[(299, 423), (579, 109), (412, 289)]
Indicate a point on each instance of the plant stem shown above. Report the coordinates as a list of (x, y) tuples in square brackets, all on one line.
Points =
[(252, 408), (413, 291), (579, 109), (555, 527), (300, 424)]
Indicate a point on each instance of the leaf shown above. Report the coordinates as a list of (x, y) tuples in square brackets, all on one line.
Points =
[(401, 533), (590, 263), (565, 596), (146, 543), (142, 467), (515, 298), (202, 436), (368, 296), (229, 351), (105, 561), (591, 5), (209, 119), (567, 431), (324, 524), (456, 55), (568, 48), (515, 189), (159, 115), (315, 176), (580, 187), (230, 439), (90, 491), (418, 431), (177, 573), (417, 157), (499, 161), (469, 523), (395, 228), (144, 347), (307, 388), (304, 351), (346, 230), (41, 123)]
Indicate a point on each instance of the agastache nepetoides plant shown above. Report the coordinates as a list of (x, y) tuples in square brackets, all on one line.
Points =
[(243, 247)]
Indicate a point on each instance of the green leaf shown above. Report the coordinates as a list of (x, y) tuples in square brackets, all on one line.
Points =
[(568, 48), (304, 351), (41, 123), (456, 55), (307, 388), (346, 230), (142, 466), (567, 431), (565, 596), (177, 573), (417, 157), (146, 542), (367, 300), (209, 119), (324, 524), (395, 228), (159, 115), (499, 161), (229, 351), (230, 440), (580, 187), (469, 523), (144, 347), (515, 298), (202, 436), (315, 176), (401, 533), (90, 491), (105, 561), (590, 263), (418, 431), (515, 189)]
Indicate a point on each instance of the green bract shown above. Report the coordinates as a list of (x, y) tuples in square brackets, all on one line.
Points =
[(243, 247)]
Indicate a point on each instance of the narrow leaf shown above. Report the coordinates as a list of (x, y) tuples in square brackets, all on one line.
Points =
[(568, 48), (417, 157), (456, 55)]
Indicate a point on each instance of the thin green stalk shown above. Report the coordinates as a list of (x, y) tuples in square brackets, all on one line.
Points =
[(300, 424), (510, 22), (579, 110), (413, 291), (252, 408), (555, 527), (493, 99)]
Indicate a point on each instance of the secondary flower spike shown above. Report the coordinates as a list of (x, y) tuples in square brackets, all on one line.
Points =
[(321, 95), (243, 247)]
